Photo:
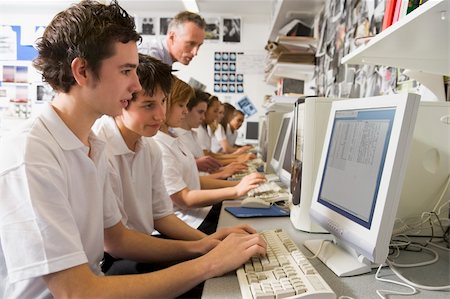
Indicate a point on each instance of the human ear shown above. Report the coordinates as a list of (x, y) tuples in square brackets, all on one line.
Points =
[(79, 70)]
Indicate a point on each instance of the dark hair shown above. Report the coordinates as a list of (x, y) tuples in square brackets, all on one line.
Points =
[(86, 30), (228, 114), (184, 17), (199, 96), (153, 73)]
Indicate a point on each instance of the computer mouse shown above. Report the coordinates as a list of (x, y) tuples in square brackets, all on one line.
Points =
[(253, 202)]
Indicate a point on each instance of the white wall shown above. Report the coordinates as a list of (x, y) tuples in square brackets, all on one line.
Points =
[(254, 34)]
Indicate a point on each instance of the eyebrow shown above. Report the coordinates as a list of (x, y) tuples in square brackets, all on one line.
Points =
[(128, 65)]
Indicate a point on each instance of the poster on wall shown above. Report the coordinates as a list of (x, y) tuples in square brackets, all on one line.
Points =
[(8, 43), (164, 25), (226, 77), (212, 30), (231, 30), (246, 106)]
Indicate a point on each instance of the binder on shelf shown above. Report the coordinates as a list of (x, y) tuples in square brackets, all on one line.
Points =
[(389, 13)]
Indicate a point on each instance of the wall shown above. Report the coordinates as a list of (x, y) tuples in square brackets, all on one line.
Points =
[(254, 33)]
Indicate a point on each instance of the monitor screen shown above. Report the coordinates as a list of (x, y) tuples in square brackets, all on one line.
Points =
[(280, 144), (251, 130), (359, 179), (286, 167)]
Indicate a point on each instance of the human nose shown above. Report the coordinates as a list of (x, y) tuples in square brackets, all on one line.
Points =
[(136, 85)]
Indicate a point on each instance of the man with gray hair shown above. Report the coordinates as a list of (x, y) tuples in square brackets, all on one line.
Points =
[(185, 35)]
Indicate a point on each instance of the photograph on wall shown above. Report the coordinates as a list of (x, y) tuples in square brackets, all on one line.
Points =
[(164, 25), (148, 26), (212, 30), (231, 30), (246, 106)]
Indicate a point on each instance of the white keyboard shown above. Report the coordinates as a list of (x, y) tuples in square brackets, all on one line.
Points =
[(284, 273), (265, 187)]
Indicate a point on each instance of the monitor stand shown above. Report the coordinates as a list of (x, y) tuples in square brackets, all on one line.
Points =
[(338, 259)]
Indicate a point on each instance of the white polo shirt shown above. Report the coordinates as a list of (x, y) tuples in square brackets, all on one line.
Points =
[(218, 136), (190, 139), (232, 137), (180, 171), (136, 178), (204, 137), (55, 202)]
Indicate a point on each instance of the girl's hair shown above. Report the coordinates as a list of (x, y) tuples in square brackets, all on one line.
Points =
[(87, 30), (180, 92), (153, 73), (228, 114)]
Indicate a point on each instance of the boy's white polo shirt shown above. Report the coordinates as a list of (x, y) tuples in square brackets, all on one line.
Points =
[(136, 178), (180, 171), (55, 202)]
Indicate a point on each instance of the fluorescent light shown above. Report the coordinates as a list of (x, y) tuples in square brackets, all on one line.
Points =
[(190, 5)]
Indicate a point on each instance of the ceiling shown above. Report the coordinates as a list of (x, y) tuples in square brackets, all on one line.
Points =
[(215, 7)]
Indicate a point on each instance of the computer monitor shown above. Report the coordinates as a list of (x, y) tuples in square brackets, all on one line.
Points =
[(360, 179), (280, 143), (270, 124), (309, 127), (251, 132), (284, 172)]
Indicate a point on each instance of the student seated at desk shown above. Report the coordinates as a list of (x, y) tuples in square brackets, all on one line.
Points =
[(205, 131), (136, 164), (225, 131), (181, 177), (57, 209), (196, 113)]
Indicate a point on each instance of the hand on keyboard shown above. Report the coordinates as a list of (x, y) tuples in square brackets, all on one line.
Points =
[(265, 187), (248, 183), (283, 273)]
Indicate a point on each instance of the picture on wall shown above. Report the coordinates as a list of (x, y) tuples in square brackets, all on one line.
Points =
[(164, 25), (231, 30), (148, 26), (212, 30)]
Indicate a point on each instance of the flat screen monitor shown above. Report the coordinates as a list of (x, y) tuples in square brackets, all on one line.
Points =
[(286, 167), (360, 179), (280, 143), (251, 131)]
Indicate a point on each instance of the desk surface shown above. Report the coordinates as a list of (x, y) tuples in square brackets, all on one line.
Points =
[(362, 286)]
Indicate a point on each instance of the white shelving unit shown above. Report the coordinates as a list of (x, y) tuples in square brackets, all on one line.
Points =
[(287, 10), (290, 70), (284, 12), (419, 41)]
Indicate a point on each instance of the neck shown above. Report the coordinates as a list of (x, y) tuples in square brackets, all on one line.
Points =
[(76, 116), (130, 137)]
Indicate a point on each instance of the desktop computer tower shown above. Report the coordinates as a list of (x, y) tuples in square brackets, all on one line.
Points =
[(310, 119)]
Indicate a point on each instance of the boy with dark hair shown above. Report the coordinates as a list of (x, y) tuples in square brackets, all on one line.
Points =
[(57, 209)]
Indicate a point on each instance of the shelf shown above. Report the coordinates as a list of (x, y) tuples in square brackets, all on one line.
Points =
[(418, 41), (297, 71), (288, 10)]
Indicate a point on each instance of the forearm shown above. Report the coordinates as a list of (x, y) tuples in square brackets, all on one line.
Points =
[(133, 245), (80, 282), (175, 228), (202, 198), (209, 182)]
